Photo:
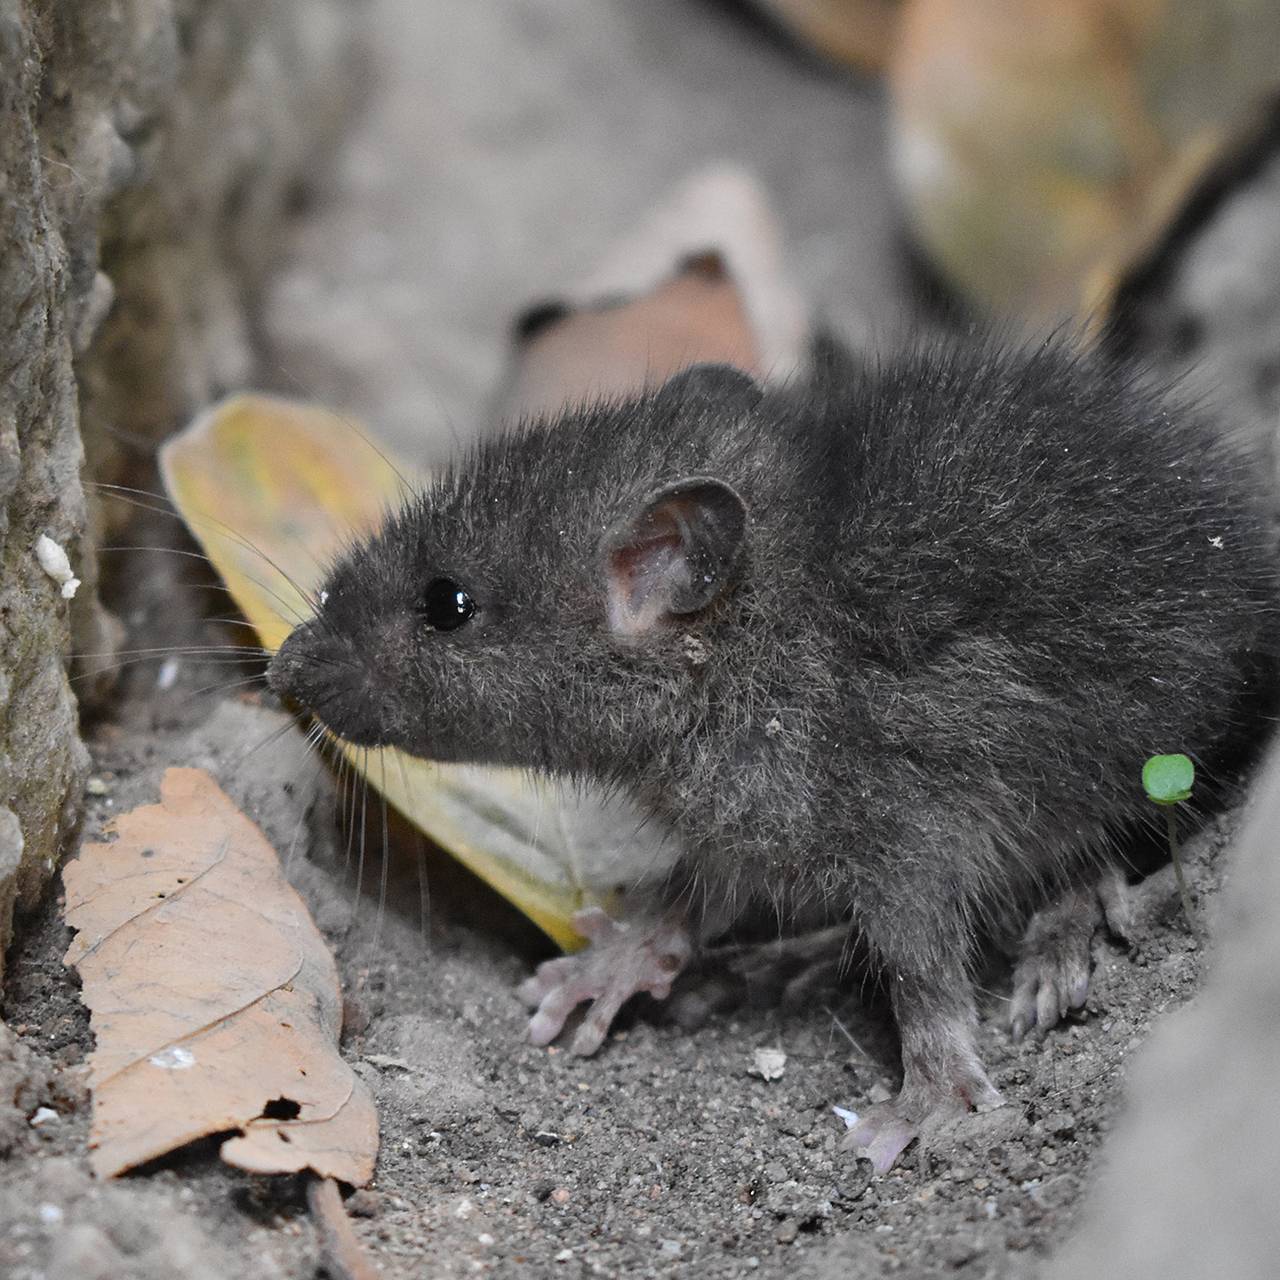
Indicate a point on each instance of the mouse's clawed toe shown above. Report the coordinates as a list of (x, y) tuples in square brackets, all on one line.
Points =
[(622, 959), (885, 1130), (1051, 976), (881, 1135), (1046, 986)]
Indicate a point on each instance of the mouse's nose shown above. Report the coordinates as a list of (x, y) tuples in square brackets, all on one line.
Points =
[(287, 671), (317, 670)]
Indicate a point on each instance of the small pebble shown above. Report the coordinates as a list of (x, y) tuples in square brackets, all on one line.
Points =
[(956, 1253), (768, 1064), (1061, 1124)]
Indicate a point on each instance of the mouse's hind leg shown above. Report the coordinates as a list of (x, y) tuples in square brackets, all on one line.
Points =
[(923, 957), (941, 1071), (1051, 975)]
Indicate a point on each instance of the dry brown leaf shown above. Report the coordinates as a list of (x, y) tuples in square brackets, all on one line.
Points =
[(213, 998)]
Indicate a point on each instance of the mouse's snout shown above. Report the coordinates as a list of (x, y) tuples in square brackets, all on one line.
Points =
[(308, 669), (287, 669), (321, 671)]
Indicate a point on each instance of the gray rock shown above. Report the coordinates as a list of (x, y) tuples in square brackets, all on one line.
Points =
[(1213, 319), (1190, 1182), (64, 1225), (148, 157)]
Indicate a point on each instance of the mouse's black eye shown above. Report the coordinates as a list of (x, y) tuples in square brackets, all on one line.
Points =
[(445, 605)]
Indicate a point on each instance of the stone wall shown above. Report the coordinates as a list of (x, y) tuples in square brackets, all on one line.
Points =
[(149, 152)]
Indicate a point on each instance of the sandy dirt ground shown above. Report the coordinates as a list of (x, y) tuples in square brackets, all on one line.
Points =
[(662, 1156)]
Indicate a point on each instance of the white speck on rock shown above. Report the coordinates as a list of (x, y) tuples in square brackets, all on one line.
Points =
[(49, 1214), (53, 560), (42, 1115)]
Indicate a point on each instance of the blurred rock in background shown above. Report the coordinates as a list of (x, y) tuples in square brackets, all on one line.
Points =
[(149, 153), (1189, 1184), (1042, 148)]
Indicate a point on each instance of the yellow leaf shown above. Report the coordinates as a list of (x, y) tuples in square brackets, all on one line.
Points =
[(271, 489), (212, 996)]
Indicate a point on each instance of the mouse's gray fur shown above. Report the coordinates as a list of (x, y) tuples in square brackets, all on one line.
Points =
[(891, 646)]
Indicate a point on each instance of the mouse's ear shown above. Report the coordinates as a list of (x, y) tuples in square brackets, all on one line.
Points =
[(721, 387), (673, 554)]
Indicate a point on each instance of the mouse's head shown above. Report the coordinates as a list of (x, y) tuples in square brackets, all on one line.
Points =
[(554, 597)]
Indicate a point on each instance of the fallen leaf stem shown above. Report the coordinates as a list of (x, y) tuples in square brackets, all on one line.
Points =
[(343, 1256)]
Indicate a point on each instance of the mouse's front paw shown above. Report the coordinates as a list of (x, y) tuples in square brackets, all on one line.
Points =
[(622, 959)]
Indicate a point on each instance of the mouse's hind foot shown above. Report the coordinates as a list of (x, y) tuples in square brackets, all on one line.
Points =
[(622, 959), (1051, 976), (884, 1130)]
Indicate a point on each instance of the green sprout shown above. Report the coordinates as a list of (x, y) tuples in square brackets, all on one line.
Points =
[(1167, 781)]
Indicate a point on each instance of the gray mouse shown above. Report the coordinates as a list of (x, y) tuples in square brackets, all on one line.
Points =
[(886, 647)]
